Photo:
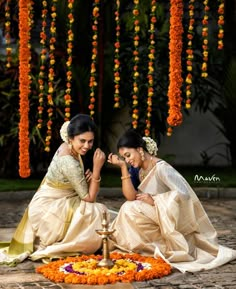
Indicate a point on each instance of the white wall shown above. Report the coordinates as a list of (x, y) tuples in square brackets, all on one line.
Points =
[(197, 133)]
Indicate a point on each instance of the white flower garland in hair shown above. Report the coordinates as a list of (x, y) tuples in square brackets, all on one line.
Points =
[(63, 132), (151, 145)]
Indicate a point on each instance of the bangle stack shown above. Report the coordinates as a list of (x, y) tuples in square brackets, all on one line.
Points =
[(125, 177), (96, 180)]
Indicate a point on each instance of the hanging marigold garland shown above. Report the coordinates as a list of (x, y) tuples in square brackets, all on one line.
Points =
[(221, 10), (117, 57), (175, 117), (70, 39), (24, 88), (205, 39), (43, 53), (135, 92), (94, 56), (190, 56), (151, 57), (8, 33), (51, 75)]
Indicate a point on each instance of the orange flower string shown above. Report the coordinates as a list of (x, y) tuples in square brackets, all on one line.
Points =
[(93, 68), (221, 10), (51, 75), (205, 39), (8, 33), (84, 269), (43, 52), (24, 88), (151, 57), (175, 117), (117, 57), (190, 56), (135, 113), (70, 39)]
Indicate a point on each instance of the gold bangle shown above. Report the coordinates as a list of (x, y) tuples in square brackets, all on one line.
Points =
[(96, 180), (125, 177)]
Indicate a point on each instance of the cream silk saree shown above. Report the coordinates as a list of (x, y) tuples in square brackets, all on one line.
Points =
[(176, 228), (57, 222)]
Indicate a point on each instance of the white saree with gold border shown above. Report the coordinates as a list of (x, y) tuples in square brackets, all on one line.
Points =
[(176, 228)]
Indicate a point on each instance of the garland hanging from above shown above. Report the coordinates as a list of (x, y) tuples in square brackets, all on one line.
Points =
[(24, 87), (70, 39), (43, 53), (221, 11), (175, 117), (93, 68), (8, 33), (51, 75), (117, 57), (205, 39), (135, 93), (189, 55), (151, 57)]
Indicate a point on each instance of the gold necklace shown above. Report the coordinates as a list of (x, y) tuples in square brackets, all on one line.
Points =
[(143, 173)]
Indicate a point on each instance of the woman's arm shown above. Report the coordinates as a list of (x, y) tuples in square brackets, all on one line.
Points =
[(127, 186)]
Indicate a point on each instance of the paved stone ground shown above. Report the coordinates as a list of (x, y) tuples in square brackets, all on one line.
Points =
[(222, 213)]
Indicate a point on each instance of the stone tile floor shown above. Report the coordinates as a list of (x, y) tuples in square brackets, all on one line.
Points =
[(222, 213)]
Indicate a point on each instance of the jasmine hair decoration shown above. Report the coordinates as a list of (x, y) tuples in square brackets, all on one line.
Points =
[(151, 145), (64, 132)]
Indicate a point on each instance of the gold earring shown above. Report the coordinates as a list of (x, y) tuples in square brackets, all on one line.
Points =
[(142, 155)]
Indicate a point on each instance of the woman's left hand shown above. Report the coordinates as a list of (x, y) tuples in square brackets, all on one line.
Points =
[(145, 198), (88, 175)]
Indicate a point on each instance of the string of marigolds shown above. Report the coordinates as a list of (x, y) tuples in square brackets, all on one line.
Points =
[(94, 56), (151, 57), (117, 57), (43, 55), (190, 56), (205, 39), (175, 117), (221, 11), (51, 75), (70, 39), (8, 33), (135, 115), (24, 88)]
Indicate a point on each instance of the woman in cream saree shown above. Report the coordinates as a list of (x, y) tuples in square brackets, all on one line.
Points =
[(162, 215), (62, 218)]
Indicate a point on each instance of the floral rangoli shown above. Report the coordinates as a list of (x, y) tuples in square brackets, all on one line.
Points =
[(85, 270)]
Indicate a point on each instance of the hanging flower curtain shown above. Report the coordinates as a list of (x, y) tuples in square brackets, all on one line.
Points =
[(8, 33), (175, 117), (221, 10), (205, 39), (51, 75), (70, 39), (135, 94), (117, 57), (24, 88), (189, 54), (151, 57), (93, 68)]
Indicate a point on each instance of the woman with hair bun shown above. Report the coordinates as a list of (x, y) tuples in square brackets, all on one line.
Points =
[(62, 217), (162, 216)]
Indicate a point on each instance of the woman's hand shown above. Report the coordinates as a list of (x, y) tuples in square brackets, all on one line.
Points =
[(99, 158), (115, 160), (145, 198)]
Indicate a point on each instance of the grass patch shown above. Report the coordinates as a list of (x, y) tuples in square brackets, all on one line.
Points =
[(196, 176)]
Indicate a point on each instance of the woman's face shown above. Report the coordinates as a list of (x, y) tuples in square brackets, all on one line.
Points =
[(131, 156), (83, 142)]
